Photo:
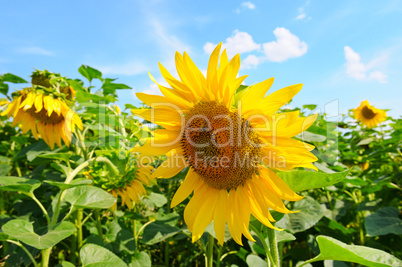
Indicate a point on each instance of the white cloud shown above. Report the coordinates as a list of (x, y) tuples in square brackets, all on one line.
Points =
[(250, 62), (286, 46), (301, 16), (360, 71), (153, 88), (248, 5), (34, 50), (129, 69), (166, 40), (378, 76), (244, 5), (240, 42)]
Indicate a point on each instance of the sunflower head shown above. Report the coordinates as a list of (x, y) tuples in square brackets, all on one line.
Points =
[(128, 184), (369, 115), (44, 109), (53, 82), (230, 142)]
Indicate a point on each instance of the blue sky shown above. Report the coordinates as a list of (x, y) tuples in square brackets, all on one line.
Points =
[(342, 51)]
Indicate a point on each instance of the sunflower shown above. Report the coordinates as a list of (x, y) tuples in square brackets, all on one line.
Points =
[(128, 184), (43, 109), (369, 115), (230, 141)]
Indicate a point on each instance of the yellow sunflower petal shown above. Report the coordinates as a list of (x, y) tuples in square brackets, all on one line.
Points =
[(186, 188), (220, 216)]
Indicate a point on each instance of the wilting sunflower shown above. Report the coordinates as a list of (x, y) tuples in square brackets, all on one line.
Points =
[(230, 142), (369, 115), (43, 109), (128, 184)]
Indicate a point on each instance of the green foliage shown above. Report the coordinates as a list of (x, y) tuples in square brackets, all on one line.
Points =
[(58, 204), (23, 231)]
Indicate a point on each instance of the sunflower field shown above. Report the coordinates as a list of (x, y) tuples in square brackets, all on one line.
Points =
[(210, 172)]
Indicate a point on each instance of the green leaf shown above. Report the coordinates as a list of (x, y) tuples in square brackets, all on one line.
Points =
[(110, 88), (4, 169), (89, 197), (332, 249), (3, 88), (210, 229), (93, 255), (18, 184), (158, 199), (311, 137), (310, 213), (255, 261), (74, 183), (23, 230), (365, 141), (65, 264), (89, 73), (3, 236), (140, 259), (60, 167), (384, 221), (8, 77), (157, 232), (283, 236), (310, 107), (304, 180), (56, 156)]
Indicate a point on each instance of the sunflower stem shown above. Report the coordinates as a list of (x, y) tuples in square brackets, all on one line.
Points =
[(273, 245), (99, 224), (270, 260), (45, 257), (210, 251), (26, 251), (42, 208)]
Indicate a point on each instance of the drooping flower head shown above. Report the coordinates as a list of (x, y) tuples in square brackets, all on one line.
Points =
[(44, 109), (369, 115), (230, 141), (128, 183)]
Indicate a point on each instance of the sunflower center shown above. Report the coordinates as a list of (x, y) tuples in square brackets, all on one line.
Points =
[(220, 145), (42, 115), (368, 113)]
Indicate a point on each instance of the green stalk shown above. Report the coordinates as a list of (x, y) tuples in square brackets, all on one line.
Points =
[(26, 251), (78, 224), (273, 245), (270, 260), (42, 208), (210, 251), (45, 257), (99, 224), (72, 176), (218, 262), (135, 234)]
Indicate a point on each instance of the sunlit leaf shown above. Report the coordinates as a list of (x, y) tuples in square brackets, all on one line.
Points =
[(74, 183), (255, 261), (332, 249), (93, 255), (89, 73), (89, 197), (23, 230), (304, 180), (18, 184), (140, 259), (310, 213)]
